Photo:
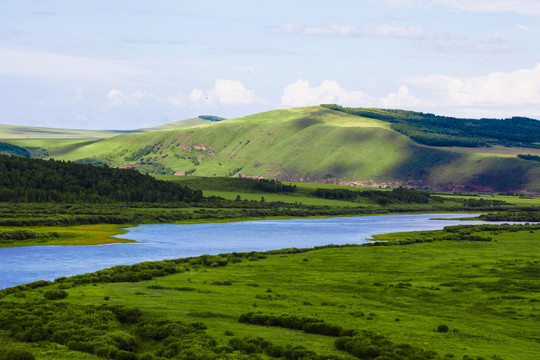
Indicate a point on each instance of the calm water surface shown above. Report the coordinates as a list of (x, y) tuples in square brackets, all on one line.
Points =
[(19, 265)]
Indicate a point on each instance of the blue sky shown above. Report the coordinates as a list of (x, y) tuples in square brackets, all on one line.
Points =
[(130, 64)]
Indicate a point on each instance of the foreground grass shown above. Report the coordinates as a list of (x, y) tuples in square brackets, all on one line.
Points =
[(487, 293)]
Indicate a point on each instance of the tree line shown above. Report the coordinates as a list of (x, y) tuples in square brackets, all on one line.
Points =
[(399, 195), (35, 180)]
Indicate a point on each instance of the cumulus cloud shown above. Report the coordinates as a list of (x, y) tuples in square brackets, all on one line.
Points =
[(498, 88), (301, 93), (117, 97), (493, 6), (403, 97), (226, 92), (498, 94)]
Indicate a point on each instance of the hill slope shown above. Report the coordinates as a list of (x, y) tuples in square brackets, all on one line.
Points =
[(435, 130), (315, 144)]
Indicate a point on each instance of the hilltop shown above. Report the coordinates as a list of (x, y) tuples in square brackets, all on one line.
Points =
[(321, 144)]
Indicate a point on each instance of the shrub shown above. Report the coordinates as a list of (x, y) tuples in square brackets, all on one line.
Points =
[(55, 294), (125, 355), (442, 328), (16, 354)]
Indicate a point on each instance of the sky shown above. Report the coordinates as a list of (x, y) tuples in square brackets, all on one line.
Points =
[(126, 64)]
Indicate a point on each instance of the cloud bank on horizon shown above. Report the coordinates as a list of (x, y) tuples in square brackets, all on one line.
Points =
[(125, 65)]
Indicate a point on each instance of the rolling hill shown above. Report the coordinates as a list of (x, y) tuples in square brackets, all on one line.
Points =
[(315, 144)]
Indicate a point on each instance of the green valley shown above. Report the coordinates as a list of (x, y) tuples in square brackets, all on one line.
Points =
[(464, 292)]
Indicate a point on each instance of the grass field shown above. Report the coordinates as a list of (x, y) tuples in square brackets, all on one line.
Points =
[(486, 293)]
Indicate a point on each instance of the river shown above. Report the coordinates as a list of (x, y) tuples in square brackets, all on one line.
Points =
[(19, 265)]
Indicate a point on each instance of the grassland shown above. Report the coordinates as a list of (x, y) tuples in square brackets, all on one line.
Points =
[(486, 293)]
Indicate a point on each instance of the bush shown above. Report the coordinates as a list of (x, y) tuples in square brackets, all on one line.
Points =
[(125, 355), (55, 294), (442, 328), (16, 354)]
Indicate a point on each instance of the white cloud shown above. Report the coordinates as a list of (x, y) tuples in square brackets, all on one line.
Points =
[(526, 7), (230, 92), (301, 93), (333, 30), (226, 92), (496, 95), (515, 88), (196, 95), (117, 97), (391, 31), (329, 92), (402, 98), (177, 100), (523, 27)]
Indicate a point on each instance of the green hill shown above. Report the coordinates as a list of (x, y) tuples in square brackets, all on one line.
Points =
[(313, 144), (434, 130)]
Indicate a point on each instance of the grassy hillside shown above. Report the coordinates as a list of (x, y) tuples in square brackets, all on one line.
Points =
[(314, 144), (309, 144), (444, 299), (435, 130)]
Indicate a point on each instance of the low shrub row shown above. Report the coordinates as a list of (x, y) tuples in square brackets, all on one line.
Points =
[(307, 324)]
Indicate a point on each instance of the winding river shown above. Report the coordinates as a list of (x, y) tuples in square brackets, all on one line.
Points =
[(19, 265)]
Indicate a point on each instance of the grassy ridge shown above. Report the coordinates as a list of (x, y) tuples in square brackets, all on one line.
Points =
[(485, 293)]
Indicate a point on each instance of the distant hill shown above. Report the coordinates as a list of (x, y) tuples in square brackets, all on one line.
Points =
[(15, 132), (201, 120), (8, 132), (315, 144), (41, 142)]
